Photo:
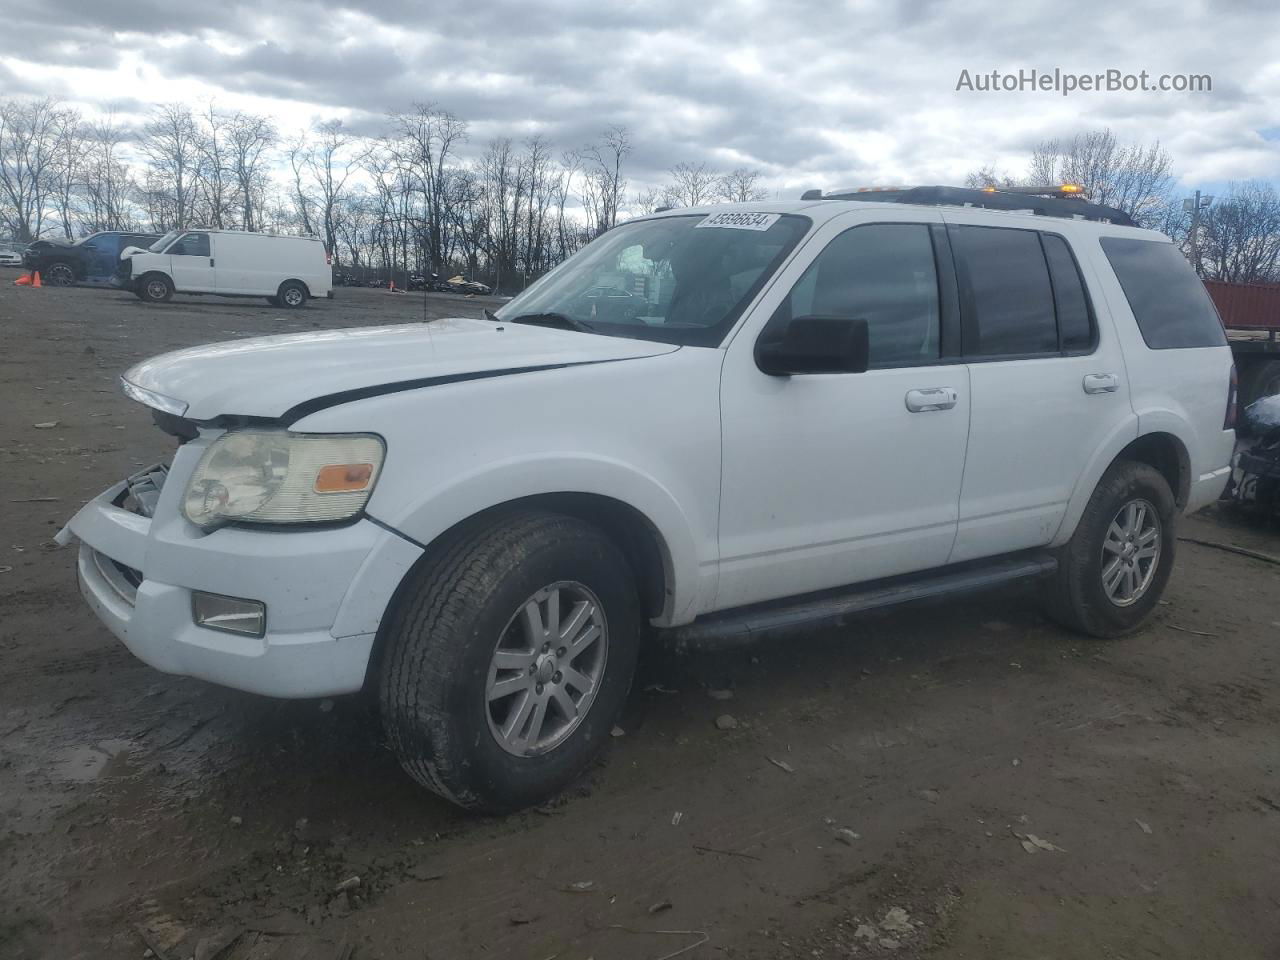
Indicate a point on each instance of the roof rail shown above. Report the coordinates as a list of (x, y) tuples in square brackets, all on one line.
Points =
[(1044, 206)]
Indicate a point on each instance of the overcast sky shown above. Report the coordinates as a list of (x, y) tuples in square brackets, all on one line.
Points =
[(813, 94)]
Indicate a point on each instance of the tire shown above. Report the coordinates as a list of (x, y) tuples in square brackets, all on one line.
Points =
[(59, 273), (292, 294), (1076, 597), (441, 661), (155, 288)]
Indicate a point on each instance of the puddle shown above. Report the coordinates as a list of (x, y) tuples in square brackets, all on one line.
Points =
[(105, 760)]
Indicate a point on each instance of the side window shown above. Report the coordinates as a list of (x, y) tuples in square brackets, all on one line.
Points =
[(191, 245), (1075, 320), (883, 273), (1168, 300), (1004, 288)]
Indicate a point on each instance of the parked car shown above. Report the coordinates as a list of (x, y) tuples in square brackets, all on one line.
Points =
[(10, 258), (91, 259), (460, 284), (827, 406), (287, 271)]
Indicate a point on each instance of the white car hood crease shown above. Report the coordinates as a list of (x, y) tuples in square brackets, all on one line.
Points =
[(270, 376)]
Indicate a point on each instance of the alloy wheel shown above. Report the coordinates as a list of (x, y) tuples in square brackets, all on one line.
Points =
[(1131, 552), (546, 669)]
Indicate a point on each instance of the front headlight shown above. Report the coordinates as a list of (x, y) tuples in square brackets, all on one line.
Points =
[(276, 477)]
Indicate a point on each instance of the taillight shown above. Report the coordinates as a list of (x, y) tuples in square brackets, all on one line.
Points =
[(328, 258), (1232, 398)]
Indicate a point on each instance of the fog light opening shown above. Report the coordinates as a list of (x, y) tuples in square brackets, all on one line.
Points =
[(246, 618)]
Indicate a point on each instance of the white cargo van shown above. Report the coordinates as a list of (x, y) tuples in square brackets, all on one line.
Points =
[(229, 263)]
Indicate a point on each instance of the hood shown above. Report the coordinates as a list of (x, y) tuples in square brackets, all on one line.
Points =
[(296, 374)]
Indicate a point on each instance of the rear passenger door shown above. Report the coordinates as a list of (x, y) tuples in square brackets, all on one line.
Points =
[(1048, 386)]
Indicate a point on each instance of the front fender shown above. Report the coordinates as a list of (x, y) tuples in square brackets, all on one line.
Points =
[(465, 495)]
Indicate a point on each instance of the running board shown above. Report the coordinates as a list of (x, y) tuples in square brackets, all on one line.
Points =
[(745, 624)]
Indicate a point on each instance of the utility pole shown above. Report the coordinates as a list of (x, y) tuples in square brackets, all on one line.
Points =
[(1194, 207)]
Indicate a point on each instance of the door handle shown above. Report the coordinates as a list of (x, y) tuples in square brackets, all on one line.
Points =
[(931, 398), (1101, 383)]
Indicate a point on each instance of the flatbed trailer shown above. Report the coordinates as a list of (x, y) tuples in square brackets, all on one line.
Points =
[(1250, 313)]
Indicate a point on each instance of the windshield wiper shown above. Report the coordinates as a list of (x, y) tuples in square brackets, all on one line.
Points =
[(490, 315), (562, 320)]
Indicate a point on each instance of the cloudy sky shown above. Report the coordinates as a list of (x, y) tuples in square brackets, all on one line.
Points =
[(812, 93)]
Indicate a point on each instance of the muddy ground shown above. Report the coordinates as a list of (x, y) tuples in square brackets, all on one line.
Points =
[(872, 799)]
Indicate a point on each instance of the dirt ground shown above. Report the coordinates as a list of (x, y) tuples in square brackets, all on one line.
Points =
[(882, 792)]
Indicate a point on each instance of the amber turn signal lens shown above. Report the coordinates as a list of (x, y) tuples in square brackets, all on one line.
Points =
[(343, 477)]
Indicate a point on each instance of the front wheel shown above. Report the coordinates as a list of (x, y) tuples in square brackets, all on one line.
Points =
[(509, 659), (155, 288), (59, 274), (1114, 569)]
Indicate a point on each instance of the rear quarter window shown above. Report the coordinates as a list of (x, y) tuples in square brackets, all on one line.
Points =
[(1168, 300)]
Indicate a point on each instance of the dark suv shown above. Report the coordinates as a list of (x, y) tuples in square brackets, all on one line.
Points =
[(91, 259)]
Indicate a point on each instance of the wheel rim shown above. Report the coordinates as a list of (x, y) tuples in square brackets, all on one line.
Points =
[(546, 669), (293, 296), (156, 289), (1131, 552), (59, 275)]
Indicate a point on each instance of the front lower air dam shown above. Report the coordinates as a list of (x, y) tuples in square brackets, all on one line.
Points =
[(248, 618)]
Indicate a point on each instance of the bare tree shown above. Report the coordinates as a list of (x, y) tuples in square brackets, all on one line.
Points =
[(603, 184), (692, 185), (29, 135), (171, 143), (107, 184), (741, 185), (1240, 235), (330, 161), (250, 139), (424, 143)]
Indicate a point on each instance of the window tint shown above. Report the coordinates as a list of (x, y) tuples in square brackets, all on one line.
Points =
[(1004, 284), (1075, 326), (883, 273), (192, 245), (1167, 298)]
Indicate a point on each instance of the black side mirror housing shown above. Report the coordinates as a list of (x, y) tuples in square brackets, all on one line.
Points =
[(816, 345)]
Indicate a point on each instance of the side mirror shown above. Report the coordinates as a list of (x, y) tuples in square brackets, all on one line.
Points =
[(816, 345)]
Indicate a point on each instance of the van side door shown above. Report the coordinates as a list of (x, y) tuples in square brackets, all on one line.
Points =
[(838, 478), (191, 263), (1047, 374)]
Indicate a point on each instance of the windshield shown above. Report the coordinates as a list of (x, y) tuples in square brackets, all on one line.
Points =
[(164, 241), (682, 279), (88, 238)]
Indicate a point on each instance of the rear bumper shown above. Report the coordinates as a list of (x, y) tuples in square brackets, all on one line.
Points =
[(325, 592)]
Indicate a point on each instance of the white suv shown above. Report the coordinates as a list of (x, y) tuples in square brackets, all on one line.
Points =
[(710, 421)]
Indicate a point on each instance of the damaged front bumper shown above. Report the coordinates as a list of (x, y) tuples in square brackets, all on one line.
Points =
[(325, 590)]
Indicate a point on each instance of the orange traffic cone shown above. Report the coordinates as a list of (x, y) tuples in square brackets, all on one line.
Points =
[(392, 286), (35, 279), (24, 280)]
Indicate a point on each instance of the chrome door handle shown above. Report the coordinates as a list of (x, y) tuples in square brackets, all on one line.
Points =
[(1101, 383), (931, 398)]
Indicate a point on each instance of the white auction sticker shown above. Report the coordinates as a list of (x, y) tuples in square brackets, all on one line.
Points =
[(741, 221)]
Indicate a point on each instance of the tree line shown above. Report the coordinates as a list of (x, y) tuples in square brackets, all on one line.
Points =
[(407, 200), (420, 197)]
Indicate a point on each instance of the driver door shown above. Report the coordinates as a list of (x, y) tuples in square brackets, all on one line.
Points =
[(834, 479), (192, 263)]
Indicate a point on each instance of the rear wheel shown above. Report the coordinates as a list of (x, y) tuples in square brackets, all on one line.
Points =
[(509, 659), (292, 294), (58, 274), (1115, 567), (155, 288)]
